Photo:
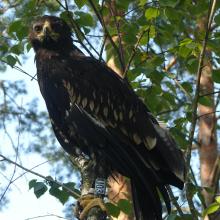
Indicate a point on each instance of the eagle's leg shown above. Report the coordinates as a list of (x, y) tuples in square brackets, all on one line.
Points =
[(92, 205), (92, 190)]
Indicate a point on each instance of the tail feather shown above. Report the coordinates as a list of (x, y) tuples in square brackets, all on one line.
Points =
[(143, 207)]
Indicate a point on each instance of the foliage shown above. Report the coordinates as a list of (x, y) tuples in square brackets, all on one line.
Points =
[(157, 45)]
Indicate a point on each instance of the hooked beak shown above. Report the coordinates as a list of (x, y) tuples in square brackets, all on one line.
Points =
[(46, 29)]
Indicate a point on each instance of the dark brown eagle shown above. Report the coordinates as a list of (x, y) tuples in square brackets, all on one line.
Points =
[(95, 113)]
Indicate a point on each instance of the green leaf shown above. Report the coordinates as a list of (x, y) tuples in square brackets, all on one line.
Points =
[(187, 86), (184, 51), (22, 32), (18, 28), (32, 183), (66, 15), (113, 210), (217, 19), (84, 19), (125, 206), (152, 13), (122, 4), (62, 195), (142, 2), (211, 209), (186, 217), (14, 26), (172, 216), (11, 61), (169, 3), (16, 49), (205, 100), (28, 47), (185, 41), (192, 189), (192, 65), (152, 32), (80, 3), (71, 185), (216, 76), (172, 14), (39, 189), (217, 199)]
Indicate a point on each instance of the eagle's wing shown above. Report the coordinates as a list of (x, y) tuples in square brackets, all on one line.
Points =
[(108, 100)]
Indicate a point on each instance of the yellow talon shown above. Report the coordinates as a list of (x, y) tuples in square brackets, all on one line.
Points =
[(90, 201)]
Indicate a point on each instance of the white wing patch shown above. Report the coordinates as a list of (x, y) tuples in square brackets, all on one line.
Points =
[(150, 142)]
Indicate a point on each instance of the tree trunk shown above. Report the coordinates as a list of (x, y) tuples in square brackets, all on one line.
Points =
[(208, 151), (119, 186)]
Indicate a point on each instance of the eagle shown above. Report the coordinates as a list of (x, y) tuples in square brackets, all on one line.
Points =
[(95, 113)]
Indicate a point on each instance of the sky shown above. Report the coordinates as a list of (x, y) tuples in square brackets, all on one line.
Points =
[(23, 204)]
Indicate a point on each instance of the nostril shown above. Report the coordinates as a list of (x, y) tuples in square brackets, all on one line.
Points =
[(46, 30)]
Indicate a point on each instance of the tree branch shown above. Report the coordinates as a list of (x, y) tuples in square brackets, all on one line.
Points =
[(19, 69), (211, 93), (174, 200), (74, 194), (134, 52)]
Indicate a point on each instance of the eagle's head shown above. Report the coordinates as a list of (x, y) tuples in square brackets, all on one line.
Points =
[(50, 32)]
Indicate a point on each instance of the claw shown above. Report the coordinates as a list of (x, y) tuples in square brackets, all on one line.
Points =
[(90, 201)]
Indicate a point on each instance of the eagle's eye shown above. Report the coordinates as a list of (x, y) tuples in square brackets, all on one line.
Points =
[(37, 28)]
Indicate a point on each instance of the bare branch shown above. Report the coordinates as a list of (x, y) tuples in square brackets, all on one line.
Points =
[(19, 69), (211, 93), (134, 51), (170, 64), (44, 216), (198, 117)]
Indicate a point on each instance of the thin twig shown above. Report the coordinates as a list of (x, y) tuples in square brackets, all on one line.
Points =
[(16, 159), (170, 64), (18, 177), (196, 96), (139, 6), (102, 48), (209, 113), (74, 194), (210, 93), (174, 200), (134, 52), (107, 34), (77, 30), (45, 216), (18, 69)]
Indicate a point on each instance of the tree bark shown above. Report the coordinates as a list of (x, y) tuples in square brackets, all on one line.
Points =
[(119, 186), (208, 151)]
